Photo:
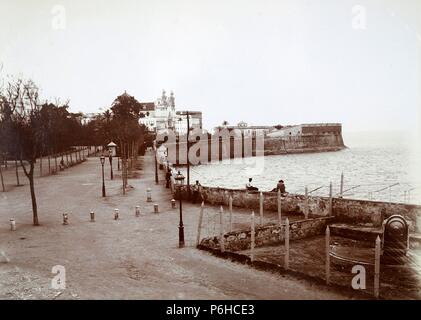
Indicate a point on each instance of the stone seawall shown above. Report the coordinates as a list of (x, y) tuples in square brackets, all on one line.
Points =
[(303, 144), (358, 212), (243, 147), (268, 235)]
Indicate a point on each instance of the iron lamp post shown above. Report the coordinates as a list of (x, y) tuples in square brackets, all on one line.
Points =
[(102, 159), (110, 157), (179, 180)]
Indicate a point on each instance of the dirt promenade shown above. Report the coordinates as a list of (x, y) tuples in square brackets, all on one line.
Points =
[(132, 258)]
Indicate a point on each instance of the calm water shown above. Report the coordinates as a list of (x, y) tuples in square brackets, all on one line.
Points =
[(371, 163)]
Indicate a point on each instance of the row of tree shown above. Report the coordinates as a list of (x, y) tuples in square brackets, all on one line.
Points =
[(31, 128)]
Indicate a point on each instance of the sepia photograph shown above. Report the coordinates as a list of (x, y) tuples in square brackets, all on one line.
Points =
[(201, 153)]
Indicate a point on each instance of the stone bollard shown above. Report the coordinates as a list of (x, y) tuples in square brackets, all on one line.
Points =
[(173, 203), (137, 211), (65, 219), (149, 195), (92, 216), (155, 208), (12, 224), (116, 214)]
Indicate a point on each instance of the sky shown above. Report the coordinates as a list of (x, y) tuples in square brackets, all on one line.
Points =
[(263, 62)]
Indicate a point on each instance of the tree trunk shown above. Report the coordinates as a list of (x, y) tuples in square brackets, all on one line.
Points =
[(17, 172), (49, 164), (40, 166), (30, 176), (33, 198), (2, 181)]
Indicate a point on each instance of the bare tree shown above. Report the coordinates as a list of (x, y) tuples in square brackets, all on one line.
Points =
[(24, 116)]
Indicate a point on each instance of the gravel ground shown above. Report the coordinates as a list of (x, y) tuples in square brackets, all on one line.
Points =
[(131, 258)]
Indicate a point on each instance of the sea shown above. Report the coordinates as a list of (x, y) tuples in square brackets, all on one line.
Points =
[(378, 166)]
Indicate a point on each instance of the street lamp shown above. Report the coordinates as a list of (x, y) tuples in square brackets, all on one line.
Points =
[(179, 181), (110, 157), (102, 159), (156, 162)]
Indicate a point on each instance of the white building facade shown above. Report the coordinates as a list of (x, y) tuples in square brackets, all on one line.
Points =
[(161, 116)]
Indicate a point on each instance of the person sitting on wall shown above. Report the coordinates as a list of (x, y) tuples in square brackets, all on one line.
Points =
[(249, 187), (61, 166), (197, 195), (281, 186)]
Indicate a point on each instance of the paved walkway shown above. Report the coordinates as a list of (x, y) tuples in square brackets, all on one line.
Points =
[(132, 258)]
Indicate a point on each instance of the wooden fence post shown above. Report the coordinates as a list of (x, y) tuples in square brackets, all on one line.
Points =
[(286, 261), (261, 208), (327, 243), (306, 203), (279, 208), (199, 227), (253, 237), (230, 208), (377, 268), (330, 199), (221, 229)]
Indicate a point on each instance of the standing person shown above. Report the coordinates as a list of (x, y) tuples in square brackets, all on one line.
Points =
[(196, 191), (249, 187), (168, 178)]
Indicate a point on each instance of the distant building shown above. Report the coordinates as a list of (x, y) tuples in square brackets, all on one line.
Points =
[(159, 116), (308, 129), (88, 117), (195, 121), (147, 115), (165, 112), (244, 128)]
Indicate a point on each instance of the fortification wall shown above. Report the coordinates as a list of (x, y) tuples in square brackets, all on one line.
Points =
[(240, 147)]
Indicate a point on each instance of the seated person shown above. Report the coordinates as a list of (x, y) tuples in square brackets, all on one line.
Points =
[(249, 187), (281, 186), (62, 166)]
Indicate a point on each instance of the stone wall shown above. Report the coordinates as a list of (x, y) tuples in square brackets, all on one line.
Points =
[(240, 147), (268, 234), (303, 144), (359, 212)]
